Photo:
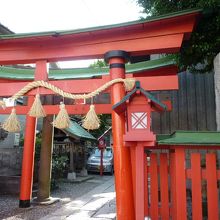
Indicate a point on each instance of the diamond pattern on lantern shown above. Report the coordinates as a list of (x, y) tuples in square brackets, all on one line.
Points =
[(139, 120)]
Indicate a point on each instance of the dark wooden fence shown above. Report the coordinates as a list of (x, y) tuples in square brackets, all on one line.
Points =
[(193, 105)]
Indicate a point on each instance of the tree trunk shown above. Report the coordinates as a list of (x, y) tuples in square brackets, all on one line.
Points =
[(45, 160), (44, 175)]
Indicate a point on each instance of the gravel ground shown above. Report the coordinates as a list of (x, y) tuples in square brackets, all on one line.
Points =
[(66, 192)]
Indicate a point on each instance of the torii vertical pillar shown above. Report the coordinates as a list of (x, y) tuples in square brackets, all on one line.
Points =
[(29, 144), (28, 160), (122, 164)]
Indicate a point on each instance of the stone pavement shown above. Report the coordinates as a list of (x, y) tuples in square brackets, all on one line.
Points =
[(97, 204)]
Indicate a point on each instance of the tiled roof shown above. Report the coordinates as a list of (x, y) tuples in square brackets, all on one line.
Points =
[(22, 73), (200, 138), (76, 130)]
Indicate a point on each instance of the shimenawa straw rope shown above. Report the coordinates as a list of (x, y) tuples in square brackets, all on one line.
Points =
[(91, 121)]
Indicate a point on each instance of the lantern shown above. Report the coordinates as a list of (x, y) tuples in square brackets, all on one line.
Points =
[(138, 105), (102, 144)]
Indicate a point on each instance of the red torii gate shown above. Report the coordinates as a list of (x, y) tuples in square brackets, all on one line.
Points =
[(158, 35)]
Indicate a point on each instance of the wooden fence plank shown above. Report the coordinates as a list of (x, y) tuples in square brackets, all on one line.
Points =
[(200, 102), (210, 102), (178, 180), (212, 191), (193, 105), (156, 117), (191, 101), (196, 186), (164, 187), (165, 116), (153, 187), (174, 114), (182, 101)]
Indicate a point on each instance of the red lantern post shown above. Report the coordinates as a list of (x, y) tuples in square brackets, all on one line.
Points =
[(138, 104), (102, 146)]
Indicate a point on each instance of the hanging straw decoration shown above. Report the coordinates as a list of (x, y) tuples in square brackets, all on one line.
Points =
[(37, 109), (2, 104), (91, 120), (11, 124), (129, 84), (62, 120)]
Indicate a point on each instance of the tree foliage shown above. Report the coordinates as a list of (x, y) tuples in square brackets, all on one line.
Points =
[(105, 120), (98, 63), (204, 44)]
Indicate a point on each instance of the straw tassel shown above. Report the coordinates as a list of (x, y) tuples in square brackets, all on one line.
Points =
[(62, 120), (91, 120), (129, 84), (37, 109), (2, 104), (11, 124)]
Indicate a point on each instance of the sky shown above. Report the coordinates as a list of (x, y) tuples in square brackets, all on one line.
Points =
[(24, 16)]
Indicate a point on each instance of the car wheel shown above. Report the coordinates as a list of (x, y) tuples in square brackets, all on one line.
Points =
[(112, 171)]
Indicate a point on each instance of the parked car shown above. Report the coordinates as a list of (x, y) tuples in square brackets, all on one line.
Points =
[(93, 162)]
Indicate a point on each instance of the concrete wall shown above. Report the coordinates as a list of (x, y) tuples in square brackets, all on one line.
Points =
[(10, 161), (9, 142), (10, 184), (11, 155)]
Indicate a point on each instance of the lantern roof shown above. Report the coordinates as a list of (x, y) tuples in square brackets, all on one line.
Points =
[(121, 106)]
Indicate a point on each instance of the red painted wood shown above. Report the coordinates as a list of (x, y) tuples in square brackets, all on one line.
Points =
[(164, 189), (159, 82), (28, 157), (153, 187), (72, 86), (54, 109), (2, 80), (172, 185), (133, 168), (139, 199), (196, 186), (86, 86), (94, 43), (167, 26), (57, 52), (212, 191), (41, 70), (179, 184), (122, 163), (146, 192), (71, 109)]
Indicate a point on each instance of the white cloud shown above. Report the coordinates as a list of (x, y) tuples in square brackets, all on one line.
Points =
[(45, 15), (23, 16)]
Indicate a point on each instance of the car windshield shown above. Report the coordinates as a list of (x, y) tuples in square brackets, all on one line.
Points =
[(106, 153)]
